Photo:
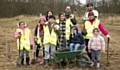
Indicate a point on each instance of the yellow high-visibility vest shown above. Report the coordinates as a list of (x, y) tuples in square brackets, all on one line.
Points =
[(68, 24), (49, 37), (24, 40), (89, 28)]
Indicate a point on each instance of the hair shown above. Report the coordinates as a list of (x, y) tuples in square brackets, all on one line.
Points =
[(52, 17), (47, 14), (89, 4), (21, 22), (75, 28), (61, 14), (96, 29)]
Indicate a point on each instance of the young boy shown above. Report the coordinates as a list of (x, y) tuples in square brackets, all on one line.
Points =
[(76, 39), (49, 39), (95, 45)]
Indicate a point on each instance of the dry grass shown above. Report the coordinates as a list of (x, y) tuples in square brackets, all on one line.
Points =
[(8, 52)]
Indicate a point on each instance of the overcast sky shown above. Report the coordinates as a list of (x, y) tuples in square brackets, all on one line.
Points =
[(83, 1)]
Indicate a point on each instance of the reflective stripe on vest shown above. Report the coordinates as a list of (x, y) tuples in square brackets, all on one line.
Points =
[(49, 38), (24, 40), (89, 27)]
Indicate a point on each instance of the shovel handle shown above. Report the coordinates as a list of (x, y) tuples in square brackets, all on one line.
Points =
[(108, 41)]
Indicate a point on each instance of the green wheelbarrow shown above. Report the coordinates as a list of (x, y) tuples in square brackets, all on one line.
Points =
[(77, 56)]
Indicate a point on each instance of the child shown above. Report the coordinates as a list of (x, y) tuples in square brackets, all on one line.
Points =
[(76, 40), (24, 42), (39, 34), (49, 39), (95, 45)]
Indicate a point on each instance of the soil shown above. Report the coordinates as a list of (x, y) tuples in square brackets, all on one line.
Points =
[(9, 52)]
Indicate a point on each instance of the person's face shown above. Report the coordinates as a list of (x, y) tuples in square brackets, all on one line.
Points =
[(22, 25), (42, 21), (50, 13), (92, 17), (68, 9), (74, 31), (90, 8), (51, 20), (62, 17), (96, 32)]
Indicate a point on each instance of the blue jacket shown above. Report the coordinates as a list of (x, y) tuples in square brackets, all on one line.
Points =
[(77, 38)]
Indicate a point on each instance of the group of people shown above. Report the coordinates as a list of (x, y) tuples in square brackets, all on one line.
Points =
[(51, 34)]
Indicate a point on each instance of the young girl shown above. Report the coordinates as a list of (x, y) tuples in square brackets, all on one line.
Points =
[(95, 45), (76, 39), (39, 34), (25, 42)]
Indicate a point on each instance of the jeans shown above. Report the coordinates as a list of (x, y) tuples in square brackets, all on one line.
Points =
[(21, 56), (49, 51), (74, 47), (95, 54)]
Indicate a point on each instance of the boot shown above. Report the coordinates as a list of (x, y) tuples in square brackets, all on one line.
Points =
[(22, 61), (27, 60), (46, 61)]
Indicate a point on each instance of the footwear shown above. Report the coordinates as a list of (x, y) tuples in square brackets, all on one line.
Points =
[(98, 65), (92, 64), (27, 60), (46, 61), (22, 61)]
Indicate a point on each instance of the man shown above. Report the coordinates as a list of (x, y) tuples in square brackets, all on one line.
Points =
[(90, 8), (69, 15)]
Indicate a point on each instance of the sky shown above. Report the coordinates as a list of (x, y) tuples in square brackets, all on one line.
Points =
[(83, 1)]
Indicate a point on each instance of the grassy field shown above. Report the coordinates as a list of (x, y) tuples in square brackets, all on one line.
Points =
[(9, 52)]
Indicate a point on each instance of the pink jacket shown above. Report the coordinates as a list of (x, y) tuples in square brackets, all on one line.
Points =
[(31, 37), (96, 43), (103, 29)]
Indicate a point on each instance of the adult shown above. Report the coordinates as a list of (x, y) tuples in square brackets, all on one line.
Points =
[(49, 13), (64, 30), (90, 8), (70, 15), (89, 25)]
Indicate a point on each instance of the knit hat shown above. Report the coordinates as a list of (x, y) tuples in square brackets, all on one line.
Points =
[(43, 17)]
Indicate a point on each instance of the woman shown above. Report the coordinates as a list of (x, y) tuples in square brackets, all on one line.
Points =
[(90, 25), (64, 30), (49, 13)]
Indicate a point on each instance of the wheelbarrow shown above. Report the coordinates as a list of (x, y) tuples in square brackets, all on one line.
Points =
[(68, 56)]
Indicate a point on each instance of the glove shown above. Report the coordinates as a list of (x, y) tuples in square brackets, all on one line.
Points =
[(31, 47), (108, 36)]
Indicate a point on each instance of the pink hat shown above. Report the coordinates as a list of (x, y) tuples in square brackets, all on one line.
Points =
[(43, 18)]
